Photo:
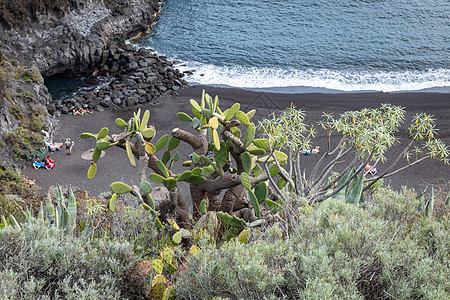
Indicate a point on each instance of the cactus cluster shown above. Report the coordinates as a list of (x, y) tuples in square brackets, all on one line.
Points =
[(225, 157), (63, 217)]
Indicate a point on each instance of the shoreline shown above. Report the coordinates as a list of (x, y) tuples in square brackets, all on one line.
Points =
[(72, 170)]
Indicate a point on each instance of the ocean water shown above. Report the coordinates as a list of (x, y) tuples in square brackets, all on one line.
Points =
[(295, 46)]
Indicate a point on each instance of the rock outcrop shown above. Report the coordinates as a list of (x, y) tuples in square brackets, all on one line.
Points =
[(70, 35)]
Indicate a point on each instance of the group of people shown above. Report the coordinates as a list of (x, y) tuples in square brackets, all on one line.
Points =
[(80, 112)]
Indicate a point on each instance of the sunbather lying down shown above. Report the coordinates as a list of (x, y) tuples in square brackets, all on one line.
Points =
[(313, 151), (368, 169), (80, 112)]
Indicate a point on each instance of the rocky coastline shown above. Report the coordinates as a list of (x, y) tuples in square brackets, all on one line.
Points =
[(76, 38), (135, 77)]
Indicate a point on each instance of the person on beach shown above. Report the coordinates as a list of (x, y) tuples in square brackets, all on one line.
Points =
[(69, 144)]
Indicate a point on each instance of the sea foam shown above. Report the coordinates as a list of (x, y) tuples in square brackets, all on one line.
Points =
[(294, 80)]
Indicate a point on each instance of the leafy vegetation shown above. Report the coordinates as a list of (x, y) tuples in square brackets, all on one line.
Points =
[(289, 243)]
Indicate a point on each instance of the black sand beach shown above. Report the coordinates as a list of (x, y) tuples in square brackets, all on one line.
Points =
[(114, 166)]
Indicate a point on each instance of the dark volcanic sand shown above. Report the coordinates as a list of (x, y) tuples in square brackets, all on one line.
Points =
[(114, 166)]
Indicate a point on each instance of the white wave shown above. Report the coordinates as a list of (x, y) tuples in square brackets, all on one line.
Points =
[(282, 79)]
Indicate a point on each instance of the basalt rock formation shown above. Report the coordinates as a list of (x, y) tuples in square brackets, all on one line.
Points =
[(70, 36)]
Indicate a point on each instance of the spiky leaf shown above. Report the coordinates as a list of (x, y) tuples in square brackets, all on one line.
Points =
[(173, 143), (163, 168), (195, 179), (145, 187), (255, 150), (171, 182), (262, 143), (195, 158), (96, 154), (204, 206), (92, 170), (231, 220), (50, 210), (148, 133), (216, 139), (246, 162), (103, 145), (195, 123), (244, 236), (255, 203), (184, 176), (221, 155), (157, 178), (14, 222), (162, 142), (207, 170), (120, 188), (184, 117), (257, 170), (150, 148), (130, 154), (214, 122), (273, 170), (245, 180), (232, 111), (251, 113), (145, 119), (86, 135), (281, 183), (120, 122), (112, 202), (355, 194), (158, 266), (274, 206), (242, 117), (72, 209), (176, 238), (261, 191), (236, 131), (102, 133), (166, 156)]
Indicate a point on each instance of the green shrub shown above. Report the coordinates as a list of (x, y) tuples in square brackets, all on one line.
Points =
[(39, 262), (36, 125), (385, 250), (12, 182), (16, 111)]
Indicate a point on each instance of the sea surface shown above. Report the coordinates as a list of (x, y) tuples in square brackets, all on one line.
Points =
[(309, 45)]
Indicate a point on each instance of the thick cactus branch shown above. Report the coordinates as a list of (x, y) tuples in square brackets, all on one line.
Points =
[(198, 144)]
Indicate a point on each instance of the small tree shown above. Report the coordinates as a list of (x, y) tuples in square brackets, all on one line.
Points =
[(221, 162), (365, 136)]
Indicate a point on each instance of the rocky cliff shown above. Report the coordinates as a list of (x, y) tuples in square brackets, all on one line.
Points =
[(46, 37), (60, 36)]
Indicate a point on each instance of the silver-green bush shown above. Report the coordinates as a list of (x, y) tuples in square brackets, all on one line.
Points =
[(38, 262), (385, 250)]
